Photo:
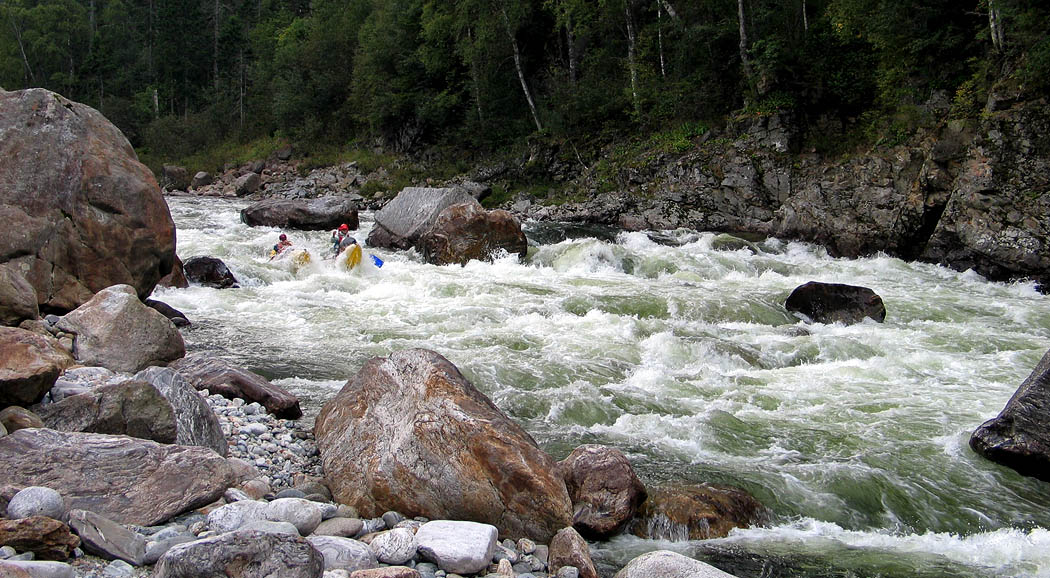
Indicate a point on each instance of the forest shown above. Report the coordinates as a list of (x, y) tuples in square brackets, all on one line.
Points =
[(184, 76)]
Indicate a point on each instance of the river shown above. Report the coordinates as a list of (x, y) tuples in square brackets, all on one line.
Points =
[(681, 354)]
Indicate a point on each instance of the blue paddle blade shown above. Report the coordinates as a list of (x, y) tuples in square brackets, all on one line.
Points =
[(377, 261)]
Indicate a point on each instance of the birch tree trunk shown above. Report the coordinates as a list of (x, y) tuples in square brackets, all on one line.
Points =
[(521, 71), (995, 25), (668, 8), (30, 78), (631, 64), (745, 63), (660, 38), (805, 18)]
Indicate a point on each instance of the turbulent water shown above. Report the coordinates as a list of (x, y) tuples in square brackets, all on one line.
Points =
[(679, 352)]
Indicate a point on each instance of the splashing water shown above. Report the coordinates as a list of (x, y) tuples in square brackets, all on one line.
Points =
[(683, 356)]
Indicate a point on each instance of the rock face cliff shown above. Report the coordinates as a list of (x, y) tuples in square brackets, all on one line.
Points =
[(970, 194)]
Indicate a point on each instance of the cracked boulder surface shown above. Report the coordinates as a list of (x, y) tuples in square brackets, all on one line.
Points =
[(81, 213), (409, 433)]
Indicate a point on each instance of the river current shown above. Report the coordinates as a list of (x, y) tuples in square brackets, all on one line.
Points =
[(676, 348)]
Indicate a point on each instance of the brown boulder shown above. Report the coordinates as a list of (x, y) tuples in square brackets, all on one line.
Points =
[(127, 480), (697, 512), (17, 297), (47, 538), (568, 548), (175, 177), (836, 303), (604, 489), (29, 365), (80, 212), (401, 222), (467, 231), (133, 408), (15, 418), (409, 433), (176, 278), (219, 376)]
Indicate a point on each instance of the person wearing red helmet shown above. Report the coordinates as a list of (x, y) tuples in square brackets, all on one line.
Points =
[(282, 244), (341, 239)]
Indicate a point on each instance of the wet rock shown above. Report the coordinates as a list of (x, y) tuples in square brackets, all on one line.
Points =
[(242, 554), (604, 490), (836, 303), (88, 214), (128, 480), (697, 512), (47, 538), (174, 315), (1019, 437), (409, 433), (667, 564), (401, 222), (467, 231), (29, 365), (219, 376), (115, 330), (319, 214), (209, 272)]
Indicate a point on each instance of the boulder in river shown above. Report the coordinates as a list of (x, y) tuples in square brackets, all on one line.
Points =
[(836, 303), (697, 512), (401, 222), (127, 480), (604, 489), (219, 376), (117, 331), (80, 212), (467, 231), (210, 272), (29, 365), (319, 214), (1019, 437), (409, 433)]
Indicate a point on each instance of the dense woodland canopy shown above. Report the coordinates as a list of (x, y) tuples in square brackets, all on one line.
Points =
[(181, 75)]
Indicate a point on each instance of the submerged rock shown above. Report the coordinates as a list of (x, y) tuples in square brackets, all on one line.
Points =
[(667, 564), (836, 303), (210, 272), (697, 512), (1019, 437)]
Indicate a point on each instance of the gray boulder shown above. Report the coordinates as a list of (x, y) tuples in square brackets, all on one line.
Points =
[(319, 214), (115, 330), (107, 539), (303, 514), (29, 365), (343, 527), (245, 554), (35, 569), (246, 184), (396, 438), (128, 480), (231, 517), (395, 547), (133, 408), (1019, 437), (344, 553), (401, 222), (175, 177), (17, 297), (667, 564), (195, 421), (459, 547), (80, 212), (37, 501), (201, 179)]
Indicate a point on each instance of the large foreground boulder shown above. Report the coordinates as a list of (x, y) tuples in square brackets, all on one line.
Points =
[(242, 554), (836, 303), (117, 331), (127, 480), (401, 222), (667, 564), (467, 231), (217, 375), (409, 433), (17, 297), (80, 212), (133, 408), (1019, 437), (697, 512), (604, 489), (29, 365), (322, 213)]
